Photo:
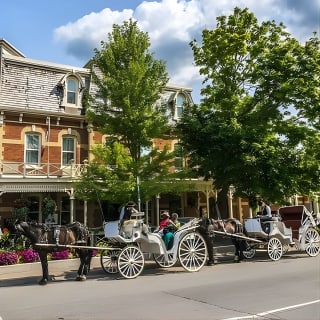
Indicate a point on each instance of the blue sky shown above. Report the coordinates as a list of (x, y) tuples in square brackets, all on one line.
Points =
[(67, 31)]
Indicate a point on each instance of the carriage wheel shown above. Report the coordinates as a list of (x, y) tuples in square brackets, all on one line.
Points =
[(160, 259), (312, 242), (108, 260), (192, 251), (274, 249), (249, 253), (130, 262)]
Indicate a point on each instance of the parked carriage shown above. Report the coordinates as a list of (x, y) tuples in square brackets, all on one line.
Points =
[(293, 226), (129, 240)]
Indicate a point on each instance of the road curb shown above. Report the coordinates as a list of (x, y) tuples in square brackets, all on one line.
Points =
[(34, 268)]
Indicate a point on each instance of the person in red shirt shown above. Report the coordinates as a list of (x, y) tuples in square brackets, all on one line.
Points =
[(164, 220)]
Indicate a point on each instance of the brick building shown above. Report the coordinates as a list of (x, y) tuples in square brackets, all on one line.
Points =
[(45, 141)]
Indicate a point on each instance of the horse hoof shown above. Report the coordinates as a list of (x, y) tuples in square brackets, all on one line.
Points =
[(210, 263), (43, 282), (81, 278)]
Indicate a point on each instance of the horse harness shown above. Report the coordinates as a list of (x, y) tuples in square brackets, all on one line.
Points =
[(56, 231)]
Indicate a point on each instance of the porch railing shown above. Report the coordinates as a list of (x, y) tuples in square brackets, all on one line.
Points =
[(50, 170)]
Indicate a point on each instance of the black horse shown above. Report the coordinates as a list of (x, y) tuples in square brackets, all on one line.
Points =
[(57, 237), (232, 227)]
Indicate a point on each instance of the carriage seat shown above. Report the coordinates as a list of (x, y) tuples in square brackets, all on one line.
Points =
[(291, 216), (129, 227), (111, 229)]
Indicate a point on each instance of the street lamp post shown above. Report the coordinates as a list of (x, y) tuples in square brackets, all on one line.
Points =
[(157, 209), (138, 191)]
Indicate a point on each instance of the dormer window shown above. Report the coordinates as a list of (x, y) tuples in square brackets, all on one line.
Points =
[(72, 89), (180, 103)]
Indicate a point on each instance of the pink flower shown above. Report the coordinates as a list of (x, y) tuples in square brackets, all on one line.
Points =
[(7, 258)]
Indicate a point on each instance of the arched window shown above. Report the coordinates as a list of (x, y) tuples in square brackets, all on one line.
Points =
[(72, 86), (68, 150), (32, 148), (70, 90), (180, 102)]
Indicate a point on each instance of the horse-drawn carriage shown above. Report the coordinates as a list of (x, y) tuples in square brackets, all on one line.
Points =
[(292, 226), (125, 244), (130, 240)]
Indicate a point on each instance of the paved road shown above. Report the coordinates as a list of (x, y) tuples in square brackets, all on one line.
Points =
[(288, 289)]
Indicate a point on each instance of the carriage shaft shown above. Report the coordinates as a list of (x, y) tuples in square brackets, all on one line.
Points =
[(71, 246), (238, 236)]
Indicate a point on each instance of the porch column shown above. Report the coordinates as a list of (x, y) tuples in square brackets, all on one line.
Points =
[(40, 210), (72, 198), (146, 213), (208, 204), (85, 212), (230, 197)]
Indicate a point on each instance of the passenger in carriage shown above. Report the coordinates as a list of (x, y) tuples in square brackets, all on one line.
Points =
[(164, 221), (172, 227), (164, 228), (175, 222)]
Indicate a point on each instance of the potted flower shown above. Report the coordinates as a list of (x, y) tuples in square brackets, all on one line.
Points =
[(49, 207), (21, 209)]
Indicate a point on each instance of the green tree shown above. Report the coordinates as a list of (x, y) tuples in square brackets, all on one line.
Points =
[(248, 130), (126, 108)]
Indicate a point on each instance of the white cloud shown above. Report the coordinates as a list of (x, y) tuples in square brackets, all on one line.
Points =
[(172, 24), (94, 25)]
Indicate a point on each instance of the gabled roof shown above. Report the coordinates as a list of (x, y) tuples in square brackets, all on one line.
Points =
[(8, 48)]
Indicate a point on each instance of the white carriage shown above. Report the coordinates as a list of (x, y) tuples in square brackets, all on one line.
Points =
[(129, 240), (293, 226)]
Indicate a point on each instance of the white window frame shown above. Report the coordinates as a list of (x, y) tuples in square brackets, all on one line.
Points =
[(36, 148), (71, 85), (72, 91), (64, 152), (179, 106), (178, 158)]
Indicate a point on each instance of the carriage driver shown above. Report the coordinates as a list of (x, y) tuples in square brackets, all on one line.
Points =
[(265, 215), (127, 210)]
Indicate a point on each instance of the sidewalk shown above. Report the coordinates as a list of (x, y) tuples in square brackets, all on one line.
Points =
[(56, 267)]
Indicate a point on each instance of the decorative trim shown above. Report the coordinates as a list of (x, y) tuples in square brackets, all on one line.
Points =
[(31, 188)]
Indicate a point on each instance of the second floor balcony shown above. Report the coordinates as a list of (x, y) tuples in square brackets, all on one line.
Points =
[(9, 169)]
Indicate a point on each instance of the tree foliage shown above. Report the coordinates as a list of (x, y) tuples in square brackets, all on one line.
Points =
[(126, 109), (255, 126)]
